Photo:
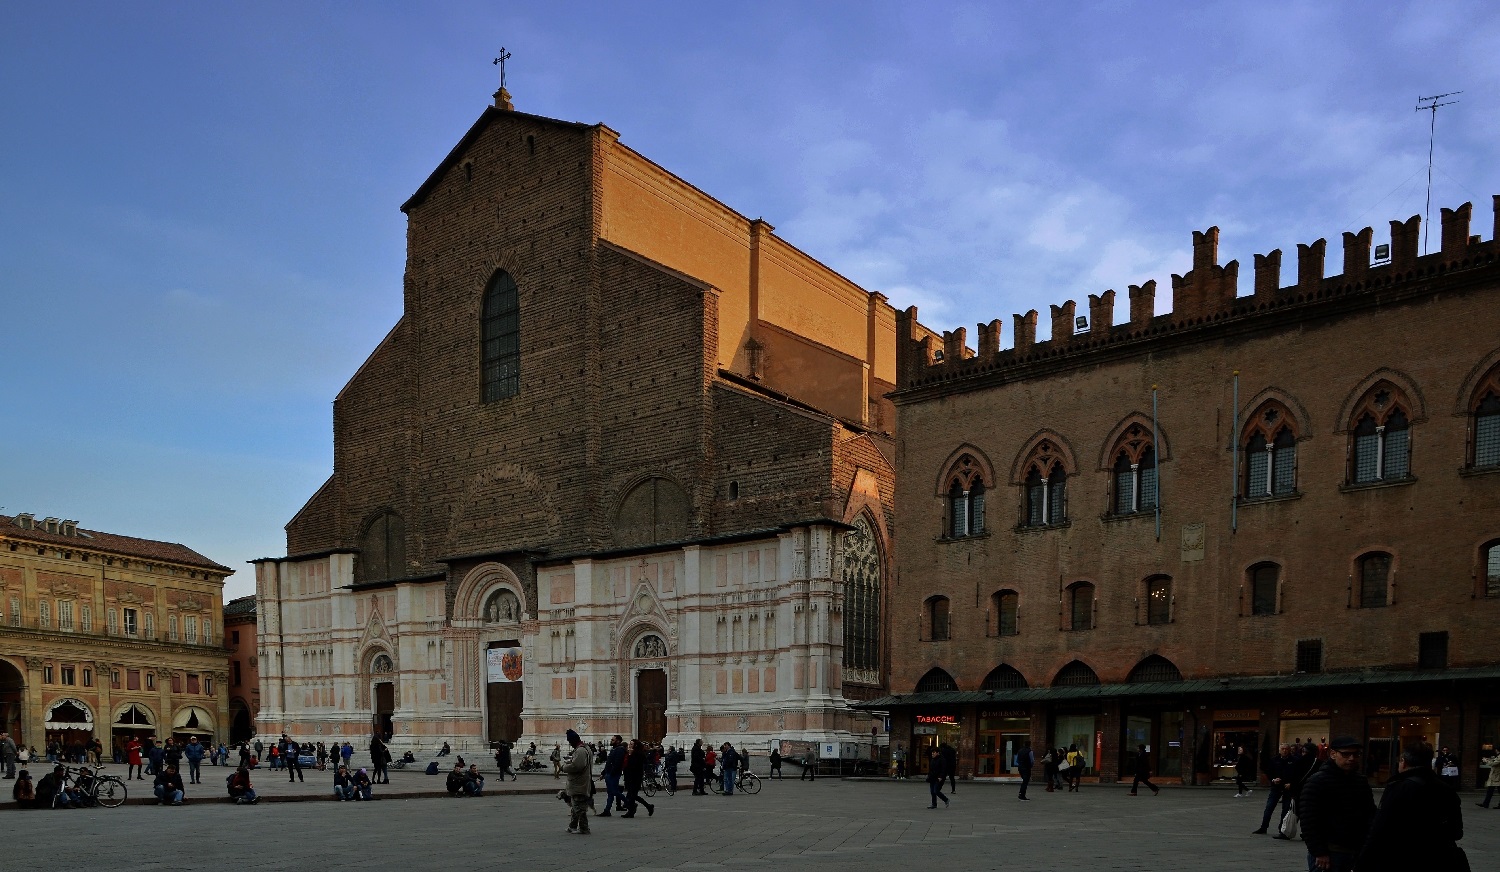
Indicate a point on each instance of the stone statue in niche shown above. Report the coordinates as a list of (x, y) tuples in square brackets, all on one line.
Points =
[(502, 608), (650, 647)]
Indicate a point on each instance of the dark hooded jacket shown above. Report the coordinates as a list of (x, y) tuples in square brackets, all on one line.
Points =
[(1418, 822), (1336, 809)]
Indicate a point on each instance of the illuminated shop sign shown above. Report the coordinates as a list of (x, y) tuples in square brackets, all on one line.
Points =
[(937, 719)]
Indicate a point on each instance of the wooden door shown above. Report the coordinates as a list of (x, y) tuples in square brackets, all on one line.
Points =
[(651, 704), (385, 707), (503, 705)]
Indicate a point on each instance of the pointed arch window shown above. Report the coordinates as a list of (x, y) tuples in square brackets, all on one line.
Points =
[(1135, 472), (1270, 454), (966, 492), (1381, 430), (1046, 486), (1153, 669), (936, 681), (862, 603), (500, 339), (1485, 410), (1004, 677), (1076, 674)]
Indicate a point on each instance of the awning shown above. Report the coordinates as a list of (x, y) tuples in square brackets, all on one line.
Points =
[(189, 718), (134, 715), (69, 714), (1372, 679)]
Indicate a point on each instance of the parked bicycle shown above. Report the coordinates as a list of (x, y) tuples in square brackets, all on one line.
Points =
[(93, 786), (746, 782)]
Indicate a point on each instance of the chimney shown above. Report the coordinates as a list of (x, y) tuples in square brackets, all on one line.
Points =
[(1267, 275), (989, 339), (1025, 331), (1310, 265), (1062, 322), (953, 345), (1142, 304), (1456, 230), (1406, 240), (1101, 312), (1357, 252)]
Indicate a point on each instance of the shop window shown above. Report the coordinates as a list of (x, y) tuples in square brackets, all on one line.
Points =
[(1159, 600), (936, 681), (1135, 482), (1432, 651), (1270, 446), (1380, 428), (1374, 580), (1006, 606), (1076, 674), (1080, 603), (1265, 579), (1310, 655), (966, 493), (1486, 422), (1004, 677), (1491, 552), (937, 619), (1154, 669), (500, 339)]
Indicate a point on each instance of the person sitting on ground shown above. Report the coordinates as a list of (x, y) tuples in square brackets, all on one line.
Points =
[(168, 786), (52, 790), (24, 793), (408, 757), (362, 785), (239, 787), (343, 788), (474, 784), (457, 777), (445, 750)]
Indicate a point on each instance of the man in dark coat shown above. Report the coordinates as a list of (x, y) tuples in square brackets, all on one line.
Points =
[(614, 767), (950, 764), (1336, 806), (1279, 771), (1418, 822), (696, 764), (1143, 771), (937, 773), (1025, 762)]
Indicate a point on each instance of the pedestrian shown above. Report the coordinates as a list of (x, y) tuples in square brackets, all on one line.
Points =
[(1279, 772), (244, 755), (775, 759), (223, 755), (1049, 768), (614, 766), (171, 753), (194, 754), (696, 766), (899, 756), (260, 750), (936, 775), (729, 765), (1335, 808), (810, 765), (133, 758), (8, 755), (580, 784), (1072, 767), (1244, 768), (276, 756), (556, 760), (320, 757), (347, 753), (502, 761), (1446, 767), (669, 765), (379, 757), (950, 764), (291, 754), (1025, 760), (153, 756), (634, 773), (1492, 769), (1419, 821), (1143, 771)]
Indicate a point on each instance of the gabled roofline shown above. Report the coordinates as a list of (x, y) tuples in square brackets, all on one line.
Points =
[(489, 114)]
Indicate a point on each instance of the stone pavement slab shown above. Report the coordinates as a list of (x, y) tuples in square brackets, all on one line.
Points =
[(828, 824)]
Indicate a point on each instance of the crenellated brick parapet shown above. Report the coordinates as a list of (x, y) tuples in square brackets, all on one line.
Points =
[(1205, 302)]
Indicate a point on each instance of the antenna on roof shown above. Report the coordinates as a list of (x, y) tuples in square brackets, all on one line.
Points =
[(1432, 103)]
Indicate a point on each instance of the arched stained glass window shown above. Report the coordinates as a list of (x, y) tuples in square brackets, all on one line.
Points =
[(500, 339), (862, 603)]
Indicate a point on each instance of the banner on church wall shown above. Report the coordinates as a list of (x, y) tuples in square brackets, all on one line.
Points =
[(503, 665)]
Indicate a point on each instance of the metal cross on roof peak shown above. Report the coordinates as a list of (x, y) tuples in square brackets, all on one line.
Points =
[(500, 62)]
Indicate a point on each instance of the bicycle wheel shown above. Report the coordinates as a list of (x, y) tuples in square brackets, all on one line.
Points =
[(109, 792), (648, 788), (716, 784), (749, 783)]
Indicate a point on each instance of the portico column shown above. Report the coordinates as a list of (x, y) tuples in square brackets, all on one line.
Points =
[(32, 713)]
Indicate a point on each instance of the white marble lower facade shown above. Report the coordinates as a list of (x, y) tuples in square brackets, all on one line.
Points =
[(736, 641)]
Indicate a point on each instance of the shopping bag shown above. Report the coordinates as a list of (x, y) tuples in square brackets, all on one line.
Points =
[(1290, 824)]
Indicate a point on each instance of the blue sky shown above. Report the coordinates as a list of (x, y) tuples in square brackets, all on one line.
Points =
[(201, 238)]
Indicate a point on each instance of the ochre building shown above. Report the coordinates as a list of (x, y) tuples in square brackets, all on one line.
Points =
[(244, 667), (622, 466), (105, 636), (1254, 519)]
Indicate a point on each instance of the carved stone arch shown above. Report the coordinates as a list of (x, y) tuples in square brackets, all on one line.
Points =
[(1482, 375), (1044, 441), (481, 583), (638, 627), (952, 465), (1302, 425), (1416, 405), (651, 508), (1122, 430), (472, 521), (373, 650)]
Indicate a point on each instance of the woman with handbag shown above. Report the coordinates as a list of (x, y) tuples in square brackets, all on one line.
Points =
[(1073, 763)]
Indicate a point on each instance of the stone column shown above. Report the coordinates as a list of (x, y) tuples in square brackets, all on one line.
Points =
[(164, 693), (32, 713), (104, 717), (221, 700)]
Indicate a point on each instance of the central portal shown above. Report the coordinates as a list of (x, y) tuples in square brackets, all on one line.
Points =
[(651, 704)]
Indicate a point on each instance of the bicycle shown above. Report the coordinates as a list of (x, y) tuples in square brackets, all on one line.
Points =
[(95, 788), (746, 782)]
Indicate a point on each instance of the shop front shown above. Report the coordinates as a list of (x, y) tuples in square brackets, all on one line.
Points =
[(1391, 729), (1079, 727), (1235, 731), (1002, 735), (1162, 733), (1298, 726), (70, 724), (928, 731)]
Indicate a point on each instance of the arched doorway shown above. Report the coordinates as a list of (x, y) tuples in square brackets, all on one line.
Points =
[(194, 721), (131, 721), (70, 723), (383, 697), (241, 725), (650, 689), (503, 697), (12, 693)]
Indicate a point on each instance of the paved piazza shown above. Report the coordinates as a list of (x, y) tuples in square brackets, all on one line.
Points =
[(830, 824)]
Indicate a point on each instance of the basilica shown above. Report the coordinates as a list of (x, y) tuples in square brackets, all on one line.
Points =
[(624, 465)]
